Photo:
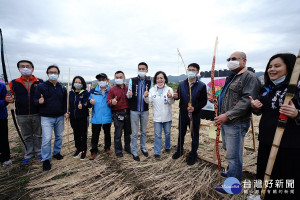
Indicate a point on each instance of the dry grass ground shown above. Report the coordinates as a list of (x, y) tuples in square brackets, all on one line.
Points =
[(109, 177)]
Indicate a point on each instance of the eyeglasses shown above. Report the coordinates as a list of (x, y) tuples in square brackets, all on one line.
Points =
[(233, 59), (52, 72), (25, 66), (192, 70)]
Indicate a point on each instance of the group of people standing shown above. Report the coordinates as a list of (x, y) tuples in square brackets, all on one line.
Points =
[(41, 107)]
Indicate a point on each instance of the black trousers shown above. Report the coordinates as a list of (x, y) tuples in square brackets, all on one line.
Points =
[(286, 167), (4, 145), (96, 128), (119, 127), (183, 123), (80, 129)]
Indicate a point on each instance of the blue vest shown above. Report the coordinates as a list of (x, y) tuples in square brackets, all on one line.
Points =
[(137, 102)]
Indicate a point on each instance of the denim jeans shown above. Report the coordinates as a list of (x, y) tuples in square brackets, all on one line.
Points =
[(119, 126), (233, 140), (48, 125), (157, 136), (135, 118), (30, 126)]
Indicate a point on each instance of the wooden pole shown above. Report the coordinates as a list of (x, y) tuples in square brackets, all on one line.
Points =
[(67, 121), (253, 133)]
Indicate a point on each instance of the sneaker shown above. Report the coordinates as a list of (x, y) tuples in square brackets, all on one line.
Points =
[(93, 156), (190, 160), (25, 161), (156, 156), (168, 150), (6, 163), (46, 165), (136, 158), (219, 189), (119, 155), (76, 154), (145, 153), (176, 155), (108, 151), (58, 156), (83, 155)]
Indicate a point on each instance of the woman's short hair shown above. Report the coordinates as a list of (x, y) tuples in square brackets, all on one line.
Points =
[(160, 72)]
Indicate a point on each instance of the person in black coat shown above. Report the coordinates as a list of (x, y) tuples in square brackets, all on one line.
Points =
[(199, 100), (79, 115), (285, 174), (51, 98)]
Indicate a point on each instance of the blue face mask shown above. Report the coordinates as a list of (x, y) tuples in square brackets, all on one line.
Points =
[(278, 81), (53, 77), (192, 74), (142, 74)]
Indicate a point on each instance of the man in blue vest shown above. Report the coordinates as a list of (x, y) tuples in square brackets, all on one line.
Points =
[(139, 109), (29, 120)]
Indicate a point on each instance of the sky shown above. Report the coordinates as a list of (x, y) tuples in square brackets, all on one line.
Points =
[(96, 36)]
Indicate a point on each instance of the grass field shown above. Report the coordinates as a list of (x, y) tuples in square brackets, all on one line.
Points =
[(109, 177)]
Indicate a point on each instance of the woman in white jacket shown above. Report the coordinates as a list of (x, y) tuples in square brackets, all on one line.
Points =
[(161, 97)]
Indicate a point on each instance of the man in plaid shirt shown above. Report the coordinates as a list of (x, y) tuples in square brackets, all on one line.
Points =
[(119, 104)]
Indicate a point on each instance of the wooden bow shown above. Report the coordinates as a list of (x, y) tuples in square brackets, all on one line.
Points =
[(190, 94), (292, 87), (216, 107), (10, 105)]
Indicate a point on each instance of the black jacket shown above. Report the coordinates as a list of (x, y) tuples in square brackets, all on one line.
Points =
[(75, 112), (55, 99), (199, 96), (272, 98)]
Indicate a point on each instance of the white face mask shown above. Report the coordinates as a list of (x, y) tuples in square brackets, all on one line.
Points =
[(280, 80), (77, 86), (53, 77), (25, 71), (102, 83), (233, 64), (119, 81), (142, 74)]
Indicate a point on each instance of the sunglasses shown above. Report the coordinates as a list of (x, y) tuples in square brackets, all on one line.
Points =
[(233, 59)]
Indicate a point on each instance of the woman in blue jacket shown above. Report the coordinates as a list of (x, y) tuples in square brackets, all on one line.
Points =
[(79, 115), (101, 115)]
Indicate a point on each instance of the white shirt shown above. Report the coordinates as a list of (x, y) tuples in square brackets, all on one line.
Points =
[(161, 104)]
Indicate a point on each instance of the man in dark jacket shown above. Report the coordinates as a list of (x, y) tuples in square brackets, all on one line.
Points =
[(188, 111), (235, 112), (51, 97), (23, 89)]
